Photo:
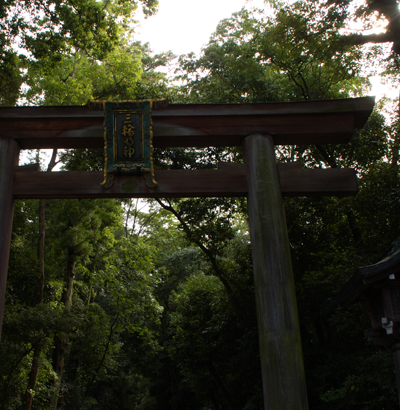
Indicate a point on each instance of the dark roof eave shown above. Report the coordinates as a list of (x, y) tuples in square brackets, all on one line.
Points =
[(366, 276)]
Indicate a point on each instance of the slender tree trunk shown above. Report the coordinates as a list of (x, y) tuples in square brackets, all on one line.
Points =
[(33, 376), (396, 143), (39, 299), (39, 294), (210, 256), (61, 341), (60, 351), (107, 346), (42, 233)]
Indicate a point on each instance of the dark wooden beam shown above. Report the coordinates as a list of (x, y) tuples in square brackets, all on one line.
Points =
[(194, 125), (229, 180)]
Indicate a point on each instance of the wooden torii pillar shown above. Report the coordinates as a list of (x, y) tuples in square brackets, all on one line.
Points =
[(258, 128), (9, 155), (284, 385)]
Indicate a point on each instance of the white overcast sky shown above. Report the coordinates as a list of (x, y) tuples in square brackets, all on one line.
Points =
[(184, 26)]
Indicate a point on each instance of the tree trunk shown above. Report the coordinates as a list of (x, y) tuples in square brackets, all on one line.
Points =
[(39, 294), (33, 376), (39, 299), (61, 341), (396, 142)]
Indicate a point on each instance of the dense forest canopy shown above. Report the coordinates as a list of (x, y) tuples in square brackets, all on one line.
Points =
[(113, 305)]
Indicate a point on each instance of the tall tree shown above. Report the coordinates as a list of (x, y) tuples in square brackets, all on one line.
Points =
[(40, 291), (370, 12), (55, 29), (299, 53), (288, 56)]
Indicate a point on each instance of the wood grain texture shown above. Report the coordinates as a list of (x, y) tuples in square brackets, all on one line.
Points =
[(194, 125), (230, 180), (9, 153), (282, 365)]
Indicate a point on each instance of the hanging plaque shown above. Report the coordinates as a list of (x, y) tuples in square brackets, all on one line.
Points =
[(128, 137)]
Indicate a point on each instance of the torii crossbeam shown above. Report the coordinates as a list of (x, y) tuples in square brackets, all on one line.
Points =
[(257, 128)]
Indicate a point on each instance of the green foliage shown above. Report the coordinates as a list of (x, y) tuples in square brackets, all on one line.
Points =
[(316, 62), (290, 56), (58, 36), (208, 343), (78, 78), (162, 310), (126, 72), (371, 385), (54, 27), (10, 78)]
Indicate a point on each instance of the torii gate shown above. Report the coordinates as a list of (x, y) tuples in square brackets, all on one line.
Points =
[(257, 127)]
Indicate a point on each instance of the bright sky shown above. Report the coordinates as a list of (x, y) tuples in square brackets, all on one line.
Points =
[(184, 26)]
